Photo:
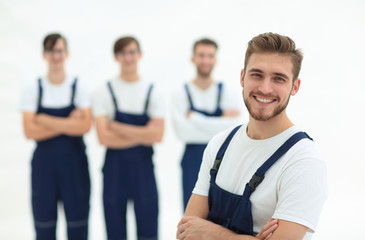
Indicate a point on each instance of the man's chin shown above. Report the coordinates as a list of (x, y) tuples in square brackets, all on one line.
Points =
[(204, 74), (261, 118)]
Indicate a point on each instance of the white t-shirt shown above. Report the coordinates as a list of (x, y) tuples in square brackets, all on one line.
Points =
[(54, 95), (131, 98), (199, 128), (294, 188)]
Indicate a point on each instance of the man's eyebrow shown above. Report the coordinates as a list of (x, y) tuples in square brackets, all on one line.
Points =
[(255, 70), (275, 73), (281, 75)]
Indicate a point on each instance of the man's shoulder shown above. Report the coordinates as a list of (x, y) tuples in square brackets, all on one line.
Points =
[(303, 155), (306, 149)]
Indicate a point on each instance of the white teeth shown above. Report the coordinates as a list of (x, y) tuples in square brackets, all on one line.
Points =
[(264, 100)]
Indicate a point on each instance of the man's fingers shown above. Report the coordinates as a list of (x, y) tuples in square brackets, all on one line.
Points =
[(184, 220), (268, 229), (180, 233), (269, 224), (76, 113), (180, 222), (267, 238), (230, 113), (183, 227)]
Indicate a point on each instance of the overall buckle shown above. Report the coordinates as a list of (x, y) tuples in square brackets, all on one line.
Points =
[(255, 181), (216, 164)]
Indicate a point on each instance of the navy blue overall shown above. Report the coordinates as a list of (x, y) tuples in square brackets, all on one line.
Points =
[(193, 154), (60, 173), (128, 174), (234, 211)]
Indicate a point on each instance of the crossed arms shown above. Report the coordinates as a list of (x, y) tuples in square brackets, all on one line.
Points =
[(118, 135), (43, 126), (193, 226)]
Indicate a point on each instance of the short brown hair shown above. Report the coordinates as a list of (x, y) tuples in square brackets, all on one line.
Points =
[(275, 43), (122, 42), (51, 39), (205, 41)]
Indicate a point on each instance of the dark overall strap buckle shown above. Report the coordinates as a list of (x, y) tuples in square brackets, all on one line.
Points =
[(223, 148), (255, 181), (216, 164)]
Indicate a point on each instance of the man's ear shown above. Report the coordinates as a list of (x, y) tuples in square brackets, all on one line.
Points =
[(242, 76), (295, 87)]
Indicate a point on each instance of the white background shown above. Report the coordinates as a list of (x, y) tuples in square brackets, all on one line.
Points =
[(329, 105)]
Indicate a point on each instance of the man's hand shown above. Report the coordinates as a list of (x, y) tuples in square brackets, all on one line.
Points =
[(267, 230), (192, 227), (77, 113), (113, 125), (188, 114), (40, 118), (195, 228), (230, 113)]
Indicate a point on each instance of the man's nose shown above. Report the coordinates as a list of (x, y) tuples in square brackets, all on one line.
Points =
[(266, 86)]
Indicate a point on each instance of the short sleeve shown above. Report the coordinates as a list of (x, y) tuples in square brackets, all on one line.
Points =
[(157, 103), (82, 95), (302, 191), (29, 97), (102, 102)]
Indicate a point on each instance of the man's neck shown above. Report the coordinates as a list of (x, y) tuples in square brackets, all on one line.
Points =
[(203, 82), (129, 76), (56, 76), (265, 129)]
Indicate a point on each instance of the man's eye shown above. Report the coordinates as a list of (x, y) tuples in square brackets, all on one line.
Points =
[(279, 79)]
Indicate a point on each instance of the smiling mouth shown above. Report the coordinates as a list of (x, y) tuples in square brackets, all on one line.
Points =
[(264, 100)]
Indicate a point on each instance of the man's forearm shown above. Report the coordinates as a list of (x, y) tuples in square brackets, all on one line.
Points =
[(69, 126), (226, 234), (196, 228), (39, 133), (35, 131), (147, 134)]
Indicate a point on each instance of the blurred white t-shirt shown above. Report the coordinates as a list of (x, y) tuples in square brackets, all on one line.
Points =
[(198, 128), (131, 98), (54, 95)]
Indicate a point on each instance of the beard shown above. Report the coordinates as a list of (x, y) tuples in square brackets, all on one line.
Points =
[(204, 73), (260, 115)]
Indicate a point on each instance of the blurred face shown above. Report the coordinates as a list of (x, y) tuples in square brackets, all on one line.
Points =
[(204, 59), (128, 57), (267, 85), (56, 56)]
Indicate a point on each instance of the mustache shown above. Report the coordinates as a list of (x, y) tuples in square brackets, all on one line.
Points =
[(261, 94)]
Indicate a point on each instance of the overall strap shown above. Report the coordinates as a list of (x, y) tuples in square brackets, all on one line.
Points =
[(148, 98), (259, 175), (222, 150), (220, 86), (189, 96), (113, 96), (73, 91), (40, 94)]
